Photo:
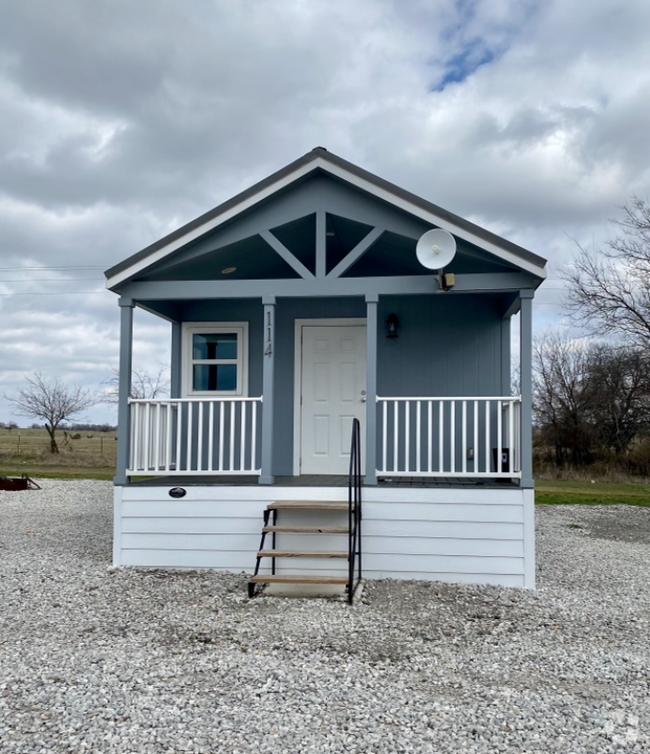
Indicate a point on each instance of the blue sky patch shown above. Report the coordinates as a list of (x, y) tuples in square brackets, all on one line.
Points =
[(462, 65)]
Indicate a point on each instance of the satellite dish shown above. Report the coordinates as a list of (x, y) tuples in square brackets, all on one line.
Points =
[(435, 249)]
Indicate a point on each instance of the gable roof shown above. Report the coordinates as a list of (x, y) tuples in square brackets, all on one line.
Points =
[(319, 159)]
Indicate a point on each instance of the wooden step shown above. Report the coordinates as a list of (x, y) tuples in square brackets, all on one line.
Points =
[(293, 579), (314, 505), (302, 554), (307, 529)]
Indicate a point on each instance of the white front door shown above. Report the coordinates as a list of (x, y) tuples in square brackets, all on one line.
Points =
[(333, 382)]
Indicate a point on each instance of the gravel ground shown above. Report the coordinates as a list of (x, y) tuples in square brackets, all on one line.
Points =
[(103, 660)]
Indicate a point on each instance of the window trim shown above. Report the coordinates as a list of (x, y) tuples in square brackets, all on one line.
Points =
[(192, 328)]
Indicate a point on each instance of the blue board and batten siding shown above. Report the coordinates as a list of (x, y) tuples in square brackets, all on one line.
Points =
[(455, 535), (448, 346)]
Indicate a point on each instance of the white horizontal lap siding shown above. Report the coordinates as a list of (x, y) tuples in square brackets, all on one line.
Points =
[(458, 535), (216, 527), (185, 525)]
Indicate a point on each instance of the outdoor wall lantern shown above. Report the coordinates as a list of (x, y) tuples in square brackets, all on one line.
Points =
[(393, 324)]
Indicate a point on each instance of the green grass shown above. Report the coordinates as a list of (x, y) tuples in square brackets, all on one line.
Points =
[(26, 451), (553, 492)]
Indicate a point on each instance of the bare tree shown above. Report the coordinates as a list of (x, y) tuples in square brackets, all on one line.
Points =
[(589, 398), (144, 384), (620, 389), (609, 290), (52, 403), (562, 397)]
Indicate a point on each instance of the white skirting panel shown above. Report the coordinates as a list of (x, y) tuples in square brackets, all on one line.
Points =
[(479, 536)]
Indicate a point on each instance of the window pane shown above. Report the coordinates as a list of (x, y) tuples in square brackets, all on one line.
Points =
[(214, 345), (215, 377)]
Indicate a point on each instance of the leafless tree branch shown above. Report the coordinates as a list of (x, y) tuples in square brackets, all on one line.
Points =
[(609, 289), (52, 403)]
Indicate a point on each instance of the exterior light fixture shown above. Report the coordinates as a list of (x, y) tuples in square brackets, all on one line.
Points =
[(393, 323), (228, 270)]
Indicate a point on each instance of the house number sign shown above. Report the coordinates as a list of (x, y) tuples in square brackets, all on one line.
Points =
[(268, 350)]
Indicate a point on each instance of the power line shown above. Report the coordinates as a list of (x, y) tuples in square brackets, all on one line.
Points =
[(50, 280), (49, 269), (53, 293)]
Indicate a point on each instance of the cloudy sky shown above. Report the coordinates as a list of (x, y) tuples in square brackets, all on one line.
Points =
[(121, 120)]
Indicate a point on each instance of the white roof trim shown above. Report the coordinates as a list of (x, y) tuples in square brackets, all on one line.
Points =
[(345, 175), (432, 218), (209, 225)]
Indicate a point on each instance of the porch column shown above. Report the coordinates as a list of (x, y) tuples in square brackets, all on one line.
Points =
[(506, 360), (526, 359), (125, 367), (372, 300), (175, 367), (268, 363)]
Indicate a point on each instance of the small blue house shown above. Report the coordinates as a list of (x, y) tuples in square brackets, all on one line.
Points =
[(296, 307)]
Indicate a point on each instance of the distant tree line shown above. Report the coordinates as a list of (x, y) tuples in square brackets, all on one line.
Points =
[(591, 404), (591, 397)]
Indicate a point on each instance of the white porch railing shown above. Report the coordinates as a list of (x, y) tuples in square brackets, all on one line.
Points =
[(449, 437), (192, 436)]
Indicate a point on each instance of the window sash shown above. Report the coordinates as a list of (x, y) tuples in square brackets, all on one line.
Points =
[(190, 376)]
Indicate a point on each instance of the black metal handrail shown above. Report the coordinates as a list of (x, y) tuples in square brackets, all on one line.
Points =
[(354, 510)]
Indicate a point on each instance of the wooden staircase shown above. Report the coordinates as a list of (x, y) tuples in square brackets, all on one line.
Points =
[(306, 509), (273, 525)]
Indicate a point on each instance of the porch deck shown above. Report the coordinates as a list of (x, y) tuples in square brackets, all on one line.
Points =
[(322, 480)]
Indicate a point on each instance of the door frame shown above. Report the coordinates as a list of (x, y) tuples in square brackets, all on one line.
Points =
[(297, 373)]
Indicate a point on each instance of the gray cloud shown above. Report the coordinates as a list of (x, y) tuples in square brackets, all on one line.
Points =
[(120, 121)]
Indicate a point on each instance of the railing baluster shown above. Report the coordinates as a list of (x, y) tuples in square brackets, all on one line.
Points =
[(418, 428), (199, 438), (190, 419), (254, 437), (168, 435), (384, 435), (179, 430), (157, 440), (231, 459), (452, 449), (441, 431), (488, 411), (464, 437), (429, 436), (210, 435), (499, 438), (395, 433), (242, 429), (147, 420), (511, 435), (221, 432), (407, 435), (135, 444), (475, 464)]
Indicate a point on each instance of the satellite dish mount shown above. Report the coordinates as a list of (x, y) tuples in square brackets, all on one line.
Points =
[(435, 250)]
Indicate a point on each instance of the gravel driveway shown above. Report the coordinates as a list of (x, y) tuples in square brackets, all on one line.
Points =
[(102, 660)]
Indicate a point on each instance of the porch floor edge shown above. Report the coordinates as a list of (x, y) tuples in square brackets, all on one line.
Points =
[(322, 480)]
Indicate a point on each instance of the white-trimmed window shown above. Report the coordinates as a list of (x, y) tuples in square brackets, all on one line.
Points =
[(215, 357)]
